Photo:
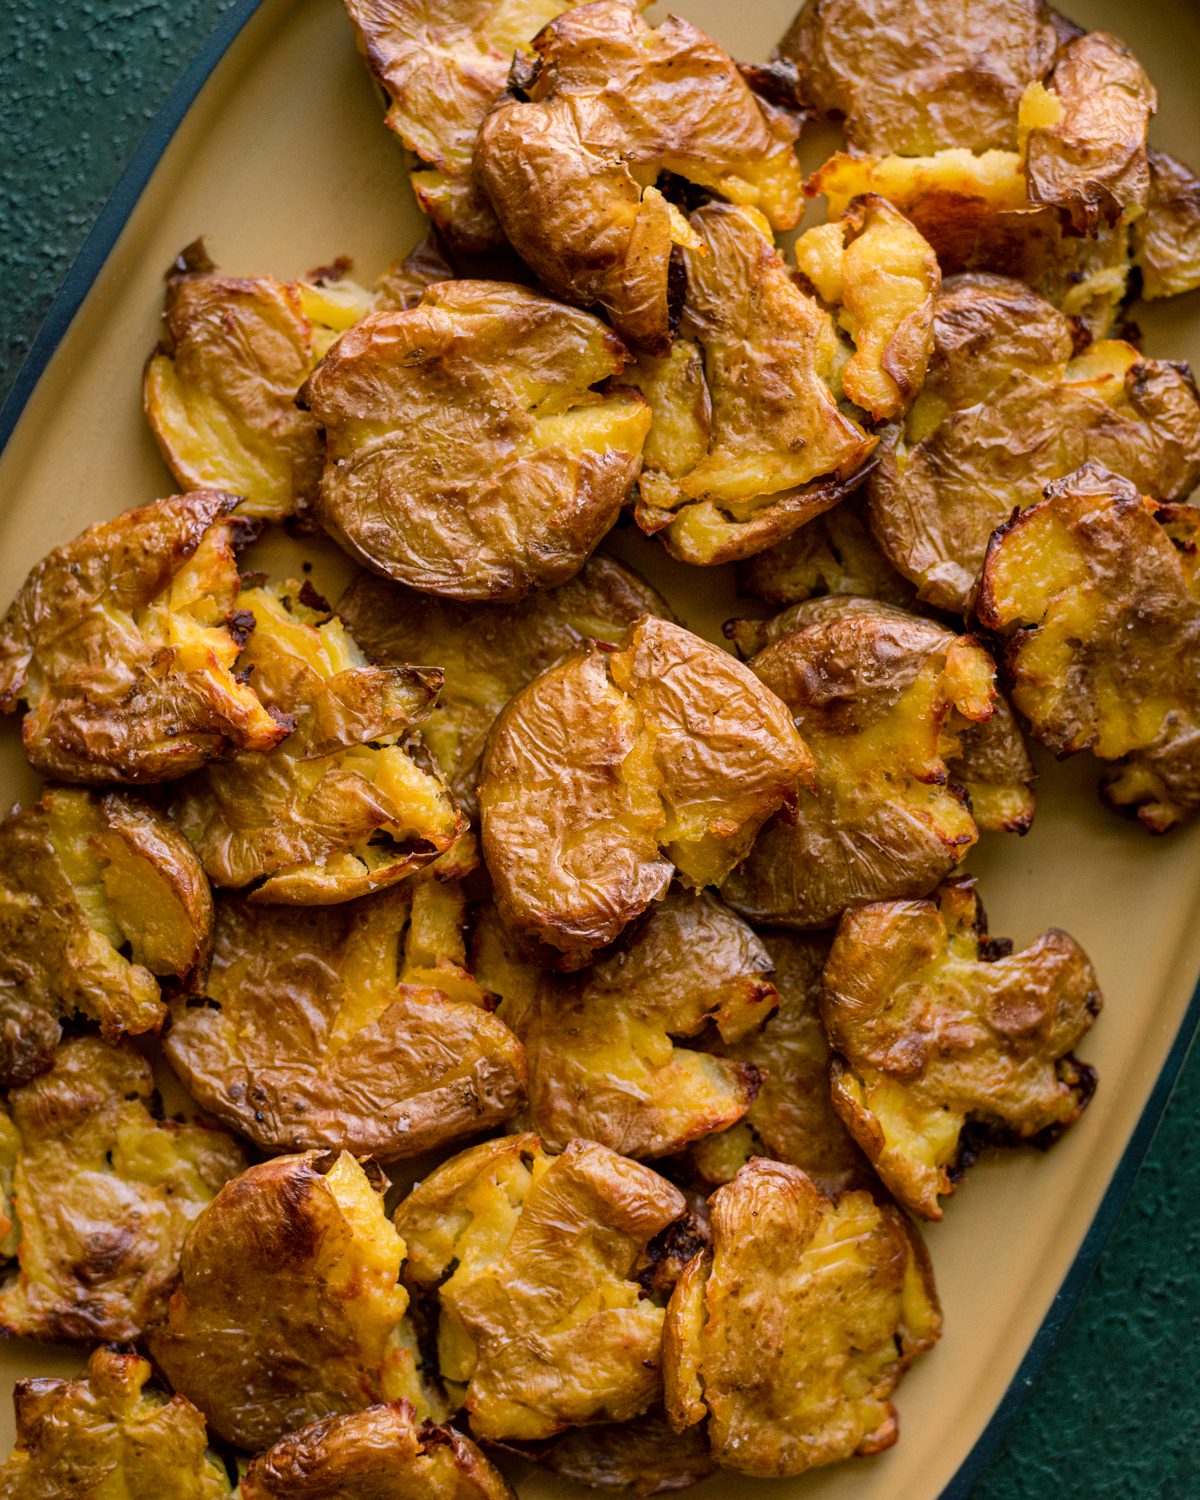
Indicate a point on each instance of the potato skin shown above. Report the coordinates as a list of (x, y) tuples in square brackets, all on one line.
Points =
[(1166, 241), (644, 1455)]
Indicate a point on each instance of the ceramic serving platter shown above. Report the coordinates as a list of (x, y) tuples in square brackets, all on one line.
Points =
[(273, 146)]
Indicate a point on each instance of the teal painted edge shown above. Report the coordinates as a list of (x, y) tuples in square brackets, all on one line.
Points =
[(78, 282)]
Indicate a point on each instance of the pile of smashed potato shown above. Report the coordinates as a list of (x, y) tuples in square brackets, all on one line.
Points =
[(653, 967)]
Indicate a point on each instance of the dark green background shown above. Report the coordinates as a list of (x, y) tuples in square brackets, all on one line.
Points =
[(1115, 1413)]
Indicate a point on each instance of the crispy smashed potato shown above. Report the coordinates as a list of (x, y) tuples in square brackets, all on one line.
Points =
[(330, 1028), (933, 1025), (1097, 594), (383, 1453), (1005, 410), (488, 655), (541, 1325), (570, 163), (104, 1434), (119, 645), (833, 554), (103, 1194), (620, 765), (883, 699), (645, 1455), (288, 1306), (604, 1059), (103, 905), (467, 453), (1166, 240), (789, 1334), (344, 806)]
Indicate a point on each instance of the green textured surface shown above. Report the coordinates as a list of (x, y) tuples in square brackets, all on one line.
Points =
[(1114, 1412)]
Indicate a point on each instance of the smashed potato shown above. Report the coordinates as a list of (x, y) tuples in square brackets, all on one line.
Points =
[(604, 1058), (120, 647), (1005, 410), (1166, 240), (789, 1334), (103, 905), (466, 451), (383, 1453), (103, 1194), (104, 1434), (645, 1455), (570, 160), (882, 698), (342, 807), (541, 1325), (288, 1306), (616, 767), (933, 1025), (834, 553), (1097, 595), (487, 656)]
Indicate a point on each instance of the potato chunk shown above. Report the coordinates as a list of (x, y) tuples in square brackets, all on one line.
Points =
[(103, 1194), (833, 554), (1096, 592), (570, 164), (383, 1453), (105, 1434), (1166, 241), (602, 1044), (933, 1025), (119, 645), (344, 806), (1006, 410), (620, 765), (883, 698), (644, 1455), (103, 906), (466, 451), (789, 1334), (488, 655), (541, 1325), (288, 1306)]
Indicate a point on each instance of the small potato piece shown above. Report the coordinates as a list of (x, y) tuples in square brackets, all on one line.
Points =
[(833, 554), (541, 1325), (1006, 410), (790, 1333), (321, 1031), (119, 645), (645, 1455), (104, 1194), (619, 765), (883, 698), (103, 1434), (488, 655), (383, 1453), (603, 1059), (466, 451), (342, 808), (1096, 593), (1166, 241), (288, 1306), (932, 1025), (570, 167), (914, 76)]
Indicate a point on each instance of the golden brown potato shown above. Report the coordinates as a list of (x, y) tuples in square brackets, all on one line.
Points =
[(321, 1029), (1166, 240), (620, 765), (103, 1195), (120, 647), (933, 1025), (541, 1325), (288, 1306), (1096, 592), (788, 1336), (345, 805), (570, 162), (834, 553), (793, 1118), (103, 905), (466, 451), (883, 698), (604, 1062), (1004, 411), (487, 655), (914, 76), (405, 281), (645, 1455), (104, 1434), (383, 1453)]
